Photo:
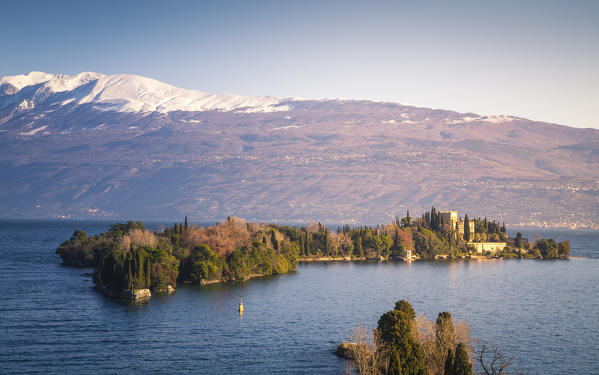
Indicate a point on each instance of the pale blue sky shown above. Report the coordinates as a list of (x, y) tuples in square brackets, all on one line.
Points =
[(535, 59)]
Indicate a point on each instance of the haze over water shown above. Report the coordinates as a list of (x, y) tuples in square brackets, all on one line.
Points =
[(543, 313)]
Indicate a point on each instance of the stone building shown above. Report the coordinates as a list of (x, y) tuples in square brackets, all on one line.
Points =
[(448, 219), (461, 228), (483, 247)]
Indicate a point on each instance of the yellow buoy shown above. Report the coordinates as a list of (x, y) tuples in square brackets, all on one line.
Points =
[(240, 306)]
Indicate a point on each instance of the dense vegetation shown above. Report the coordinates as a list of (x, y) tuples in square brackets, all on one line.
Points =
[(403, 343), (128, 255)]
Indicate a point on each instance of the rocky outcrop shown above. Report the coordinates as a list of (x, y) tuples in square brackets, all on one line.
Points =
[(136, 294), (346, 350), (168, 290)]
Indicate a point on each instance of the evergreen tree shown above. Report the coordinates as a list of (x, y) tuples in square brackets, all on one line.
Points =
[(564, 248), (302, 246), (444, 332), (406, 307), (396, 328), (466, 228), (461, 363), (518, 240), (395, 364), (359, 248), (273, 239), (449, 363), (186, 227)]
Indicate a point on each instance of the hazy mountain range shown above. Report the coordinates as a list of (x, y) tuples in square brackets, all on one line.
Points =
[(126, 146)]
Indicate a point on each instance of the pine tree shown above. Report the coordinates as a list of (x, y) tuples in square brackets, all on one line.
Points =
[(186, 223)]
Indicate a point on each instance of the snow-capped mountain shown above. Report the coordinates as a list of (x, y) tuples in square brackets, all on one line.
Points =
[(126, 146), (124, 93)]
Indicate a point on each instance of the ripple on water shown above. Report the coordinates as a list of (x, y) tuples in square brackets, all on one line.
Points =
[(542, 313)]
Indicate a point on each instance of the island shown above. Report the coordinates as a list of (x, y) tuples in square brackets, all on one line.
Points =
[(131, 261)]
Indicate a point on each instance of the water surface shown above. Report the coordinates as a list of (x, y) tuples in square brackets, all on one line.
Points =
[(543, 313)]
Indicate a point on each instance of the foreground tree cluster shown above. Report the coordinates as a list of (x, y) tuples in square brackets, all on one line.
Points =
[(403, 344)]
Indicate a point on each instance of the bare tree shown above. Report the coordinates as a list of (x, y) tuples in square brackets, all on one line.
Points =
[(493, 361), (222, 238), (369, 355), (138, 238), (436, 338)]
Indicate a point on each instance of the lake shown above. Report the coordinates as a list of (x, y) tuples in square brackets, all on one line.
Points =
[(542, 313)]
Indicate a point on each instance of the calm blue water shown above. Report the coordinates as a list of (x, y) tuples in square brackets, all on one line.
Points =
[(545, 314)]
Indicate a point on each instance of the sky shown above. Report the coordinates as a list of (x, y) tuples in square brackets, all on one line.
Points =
[(533, 59)]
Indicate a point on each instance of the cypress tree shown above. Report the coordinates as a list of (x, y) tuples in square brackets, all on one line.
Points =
[(273, 238), (186, 223), (466, 228), (449, 363), (306, 245), (444, 332), (396, 331), (395, 364), (129, 277), (359, 248), (148, 272), (461, 363)]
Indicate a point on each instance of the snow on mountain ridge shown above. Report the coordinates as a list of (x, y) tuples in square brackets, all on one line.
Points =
[(133, 93)]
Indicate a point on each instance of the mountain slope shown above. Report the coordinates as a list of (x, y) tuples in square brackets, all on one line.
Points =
[(123, 93), (127, 146)]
